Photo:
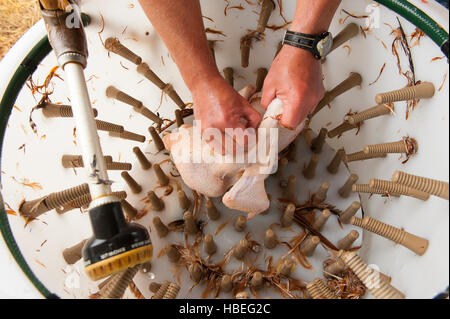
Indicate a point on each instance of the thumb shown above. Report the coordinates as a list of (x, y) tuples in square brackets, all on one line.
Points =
[(252, 116), (268, 95)]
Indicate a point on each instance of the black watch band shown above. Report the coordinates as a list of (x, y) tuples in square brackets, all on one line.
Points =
[(306, 42)]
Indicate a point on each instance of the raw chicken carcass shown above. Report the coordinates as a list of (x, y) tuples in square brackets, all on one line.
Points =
[(212, 174)]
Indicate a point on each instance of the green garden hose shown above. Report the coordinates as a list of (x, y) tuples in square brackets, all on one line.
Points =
[(420, 20)]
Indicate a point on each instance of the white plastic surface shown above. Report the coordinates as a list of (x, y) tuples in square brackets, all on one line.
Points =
[(417, 277)]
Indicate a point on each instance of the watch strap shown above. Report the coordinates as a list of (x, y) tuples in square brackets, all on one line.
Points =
[(304, 41)]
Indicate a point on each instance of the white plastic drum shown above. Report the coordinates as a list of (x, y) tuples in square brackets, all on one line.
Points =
[(35, 169)]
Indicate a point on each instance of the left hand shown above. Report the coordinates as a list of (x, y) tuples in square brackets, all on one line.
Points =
[(296, 79)]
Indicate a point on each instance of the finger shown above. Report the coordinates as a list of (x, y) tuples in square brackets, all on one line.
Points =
[(252, 116), (292, 115), (268, 95)]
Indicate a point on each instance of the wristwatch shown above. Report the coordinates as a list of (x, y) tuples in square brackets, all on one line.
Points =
[(318, 45)]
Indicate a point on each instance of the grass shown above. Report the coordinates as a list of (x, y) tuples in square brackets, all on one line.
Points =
[(16, 17)]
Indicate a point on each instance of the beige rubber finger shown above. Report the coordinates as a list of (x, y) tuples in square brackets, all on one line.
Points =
[(190, 223), (228, 74), (179, 118), (260, 78), (156, 139), (310, 171), (119, 166), (257, 281), (319, 141), (126, 135), (346, 189), (335, 163), (368, 114), (154, 287), (37, 207), (132, 184), (270, 239), (226, 284), (119, 282), (173, 254), (339, 130), (349, 32), (162, 290), (309, 245), (347, 242), (108, 127), (145, 70), (322, 219), (160, 175), (183, 200), (334, 269), (288, 216), (353, 80), (241, 249), (307, 136), (395, 188), (267, 7), (170, 91), (72, 254), (161, 228), (209, 245), (246, 43), (345, 216), (240, 224), (291, 187), (70, 161), (428, 185), (318, 290), (108, 159), (142, 159), (321, 195), (286, 267), (421, 91), (379, 289), (393, 147), (123, 97), (211, 210), (56, 110), (172, 291), (242, 295), (416, 244), (195, 272), (114, 45), (128, 209), (84, 201), (361, 156), (150, 115), (365, 188), (211, 47), (156, 202)]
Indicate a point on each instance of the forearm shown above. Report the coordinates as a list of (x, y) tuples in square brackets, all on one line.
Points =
[(179, 23), (314, 16)]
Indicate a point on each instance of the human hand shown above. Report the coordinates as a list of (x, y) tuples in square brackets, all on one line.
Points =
[(218, 105), (296, 79)]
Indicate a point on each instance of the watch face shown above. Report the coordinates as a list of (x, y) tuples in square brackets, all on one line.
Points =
[(324, 45)]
